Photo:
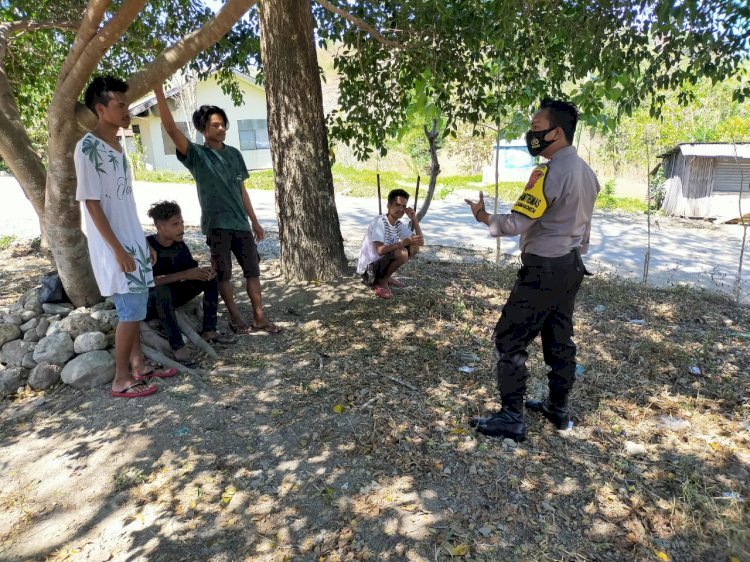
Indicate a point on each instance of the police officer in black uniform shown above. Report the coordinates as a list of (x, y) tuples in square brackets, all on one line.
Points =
[(553, 217)]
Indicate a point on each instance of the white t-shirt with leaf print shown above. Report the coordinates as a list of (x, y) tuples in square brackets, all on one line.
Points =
[(104, 175)]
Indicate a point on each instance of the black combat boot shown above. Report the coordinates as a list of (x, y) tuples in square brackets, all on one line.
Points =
[(508, 422), (554, 408)]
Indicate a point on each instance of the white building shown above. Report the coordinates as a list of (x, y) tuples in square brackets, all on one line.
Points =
[(514, 163), (248, 124)]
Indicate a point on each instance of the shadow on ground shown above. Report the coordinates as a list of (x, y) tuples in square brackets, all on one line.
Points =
[(345, 438)]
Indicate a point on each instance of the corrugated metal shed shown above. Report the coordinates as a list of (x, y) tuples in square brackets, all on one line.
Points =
[(696, 172), (712, 150)]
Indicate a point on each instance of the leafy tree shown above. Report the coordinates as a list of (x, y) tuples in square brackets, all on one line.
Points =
[(484, 62), (465, 62), (142, 41)]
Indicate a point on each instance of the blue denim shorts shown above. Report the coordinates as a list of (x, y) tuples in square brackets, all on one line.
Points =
[(131, 307)]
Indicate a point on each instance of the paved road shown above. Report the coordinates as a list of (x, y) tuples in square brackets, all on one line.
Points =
[(681, 251)]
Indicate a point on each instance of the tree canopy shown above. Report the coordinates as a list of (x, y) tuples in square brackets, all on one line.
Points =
[(492, 61)]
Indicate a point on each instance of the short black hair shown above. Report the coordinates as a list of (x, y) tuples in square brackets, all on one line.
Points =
[(397, 193), (202, 115), (562, 114), (164, 210), (99, 89)]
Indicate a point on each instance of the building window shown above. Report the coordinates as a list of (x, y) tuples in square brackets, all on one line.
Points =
[(169, 147), (253, 134)]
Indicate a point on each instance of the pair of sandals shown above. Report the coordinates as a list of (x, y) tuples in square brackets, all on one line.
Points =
[(385, 292), (141, 387)]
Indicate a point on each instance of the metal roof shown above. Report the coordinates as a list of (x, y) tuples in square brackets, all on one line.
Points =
[(712, 150)]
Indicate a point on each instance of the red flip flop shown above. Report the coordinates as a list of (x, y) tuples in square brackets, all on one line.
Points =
[(129, 392), (383, 292), (165, 374)]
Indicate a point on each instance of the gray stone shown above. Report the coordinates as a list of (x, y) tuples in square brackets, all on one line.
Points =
[(54, 327), (30, 325), (89, 370), (28, 361), (106, 316), (12, 352), (10, 380), (77, 324), (27, 315), (41, 328), (54, 308), (57, 348), (104, 305), (9, 332), (90, 341), (44, 375), (34, 305), (80, 310), (31, 336), (31, 302), (4, 310), (13, 318), (15, 308)]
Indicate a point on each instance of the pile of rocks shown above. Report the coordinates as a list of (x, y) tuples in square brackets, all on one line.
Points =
[(41, 344)]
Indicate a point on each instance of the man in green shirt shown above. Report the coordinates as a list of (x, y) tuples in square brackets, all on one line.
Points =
[(219, 172)]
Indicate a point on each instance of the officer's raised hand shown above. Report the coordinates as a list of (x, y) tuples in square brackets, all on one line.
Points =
[(478, 210)]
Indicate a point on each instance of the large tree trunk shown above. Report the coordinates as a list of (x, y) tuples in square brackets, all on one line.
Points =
[(311, 243), (63, 213)]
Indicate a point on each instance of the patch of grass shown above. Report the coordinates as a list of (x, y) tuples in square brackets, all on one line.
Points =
[(163, 176), (260, 179), (609, 202), (6, 241)]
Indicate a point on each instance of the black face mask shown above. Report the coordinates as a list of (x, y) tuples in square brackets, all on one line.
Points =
[(535, 141)]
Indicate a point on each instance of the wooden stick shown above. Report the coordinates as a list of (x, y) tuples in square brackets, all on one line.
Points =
[(192, 335), (399, 381), (371, 401), (165, 361), (150, 337), (416, 194), (380, 203)]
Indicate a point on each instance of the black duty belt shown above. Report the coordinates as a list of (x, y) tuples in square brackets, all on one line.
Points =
[(540, 261)]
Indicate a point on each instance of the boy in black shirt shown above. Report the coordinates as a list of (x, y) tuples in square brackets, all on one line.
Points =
[(178, 279)]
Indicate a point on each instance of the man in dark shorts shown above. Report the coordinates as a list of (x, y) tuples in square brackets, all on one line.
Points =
[(219, 172), (179, 279), (388, 245)]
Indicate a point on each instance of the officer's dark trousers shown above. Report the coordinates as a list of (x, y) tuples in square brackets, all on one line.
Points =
[(542, 300), (164, 299)]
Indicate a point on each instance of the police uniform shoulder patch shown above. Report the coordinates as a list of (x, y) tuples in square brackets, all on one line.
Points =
[(532, 203)]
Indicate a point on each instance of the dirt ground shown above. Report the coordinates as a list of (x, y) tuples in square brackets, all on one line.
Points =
[(346, 437)]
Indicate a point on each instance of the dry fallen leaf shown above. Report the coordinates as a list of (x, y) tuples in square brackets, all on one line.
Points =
[(460, 550)]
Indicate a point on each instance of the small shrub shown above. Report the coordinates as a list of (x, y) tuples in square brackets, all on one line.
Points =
[(6, 241)]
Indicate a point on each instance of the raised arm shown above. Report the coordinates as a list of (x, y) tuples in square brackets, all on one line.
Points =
[(180, 140)]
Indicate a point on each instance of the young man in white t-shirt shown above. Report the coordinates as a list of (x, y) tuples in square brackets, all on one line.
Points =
[(388, 245), (119, 252)]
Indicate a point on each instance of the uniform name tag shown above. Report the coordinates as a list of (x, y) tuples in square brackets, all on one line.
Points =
[(532, 203)]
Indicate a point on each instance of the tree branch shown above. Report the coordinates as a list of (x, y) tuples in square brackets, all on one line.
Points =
[(184, 50), (99, 44), (9, 28), (92, 18), (360, 24)]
